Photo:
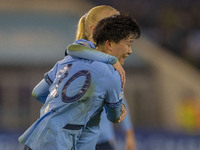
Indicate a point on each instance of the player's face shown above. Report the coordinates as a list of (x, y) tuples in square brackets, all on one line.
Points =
[(122, 49)]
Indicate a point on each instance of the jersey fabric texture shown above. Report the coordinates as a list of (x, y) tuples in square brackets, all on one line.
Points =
[(79, 88)]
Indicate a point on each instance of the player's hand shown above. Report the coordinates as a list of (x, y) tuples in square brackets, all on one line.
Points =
[(123, 115), (121, 71)]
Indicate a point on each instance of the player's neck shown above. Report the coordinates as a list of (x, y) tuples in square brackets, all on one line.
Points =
[(103, 49)]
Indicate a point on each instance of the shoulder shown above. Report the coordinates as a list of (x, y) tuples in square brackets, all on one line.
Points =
[(102, 66), (111, 76), (107, 69)]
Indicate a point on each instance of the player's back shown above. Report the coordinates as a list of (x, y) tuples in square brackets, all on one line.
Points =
[(78, 92)]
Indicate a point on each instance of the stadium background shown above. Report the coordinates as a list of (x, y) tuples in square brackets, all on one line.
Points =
[(163, 79)]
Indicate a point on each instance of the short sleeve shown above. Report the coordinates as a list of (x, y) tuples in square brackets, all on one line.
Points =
[(50, 75), (114, 95), (114, 92), (41, 91)]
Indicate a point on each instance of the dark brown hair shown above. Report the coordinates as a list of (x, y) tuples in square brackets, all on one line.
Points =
[(116, 28)]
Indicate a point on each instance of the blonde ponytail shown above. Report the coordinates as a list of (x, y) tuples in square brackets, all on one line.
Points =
[(80, 33)]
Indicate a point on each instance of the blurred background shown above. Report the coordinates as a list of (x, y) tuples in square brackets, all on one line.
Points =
[(163, 74)]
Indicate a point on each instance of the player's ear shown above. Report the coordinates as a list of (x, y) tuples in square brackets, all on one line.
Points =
[(108, 45), (92, 28)]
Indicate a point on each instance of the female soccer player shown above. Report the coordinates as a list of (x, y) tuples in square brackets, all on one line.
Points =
[(85, 29), (41, 96)]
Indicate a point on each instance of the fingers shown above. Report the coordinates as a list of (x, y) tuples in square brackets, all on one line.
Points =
[(121, 71), (123, 78), (123, 115)]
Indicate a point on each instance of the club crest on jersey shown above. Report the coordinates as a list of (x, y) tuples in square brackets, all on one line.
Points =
[(121, 95)]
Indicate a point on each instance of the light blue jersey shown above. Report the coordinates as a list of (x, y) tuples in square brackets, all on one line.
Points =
[(106, 132), (79, 89)]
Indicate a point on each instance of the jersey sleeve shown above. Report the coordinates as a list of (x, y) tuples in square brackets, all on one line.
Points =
[(50, 75), (92, 54), (114, 97), (41, 91)]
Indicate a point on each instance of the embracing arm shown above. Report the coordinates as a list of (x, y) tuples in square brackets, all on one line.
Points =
[(86, 49), (41, 91), (115, 109), (85, 52)]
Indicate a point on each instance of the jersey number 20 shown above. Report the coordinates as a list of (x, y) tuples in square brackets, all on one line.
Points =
[(81, 92)]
